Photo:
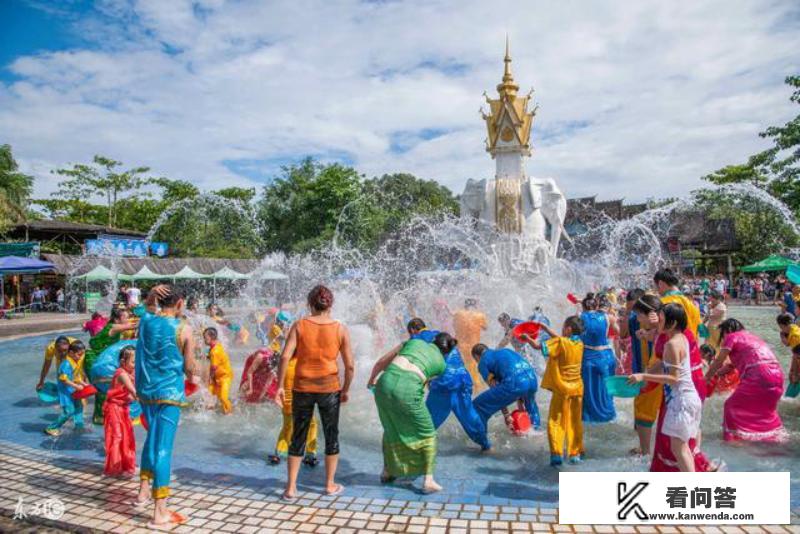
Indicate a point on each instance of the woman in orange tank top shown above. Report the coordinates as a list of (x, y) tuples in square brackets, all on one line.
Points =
[(316, 342)]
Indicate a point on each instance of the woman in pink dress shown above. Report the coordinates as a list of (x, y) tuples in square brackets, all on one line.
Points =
[(751, 412)]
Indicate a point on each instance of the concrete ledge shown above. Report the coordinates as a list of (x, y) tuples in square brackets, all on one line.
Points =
[(41, 323)]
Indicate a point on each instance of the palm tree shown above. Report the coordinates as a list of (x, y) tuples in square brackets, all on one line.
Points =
[(15, 189)]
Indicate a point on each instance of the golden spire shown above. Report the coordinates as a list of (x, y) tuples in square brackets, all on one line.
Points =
[(508, 122), (507, 87)]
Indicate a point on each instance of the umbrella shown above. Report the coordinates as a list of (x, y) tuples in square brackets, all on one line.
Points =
[(793, 274), (771, 263)]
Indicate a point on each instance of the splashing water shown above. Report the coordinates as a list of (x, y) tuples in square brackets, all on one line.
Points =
[(198, 207)]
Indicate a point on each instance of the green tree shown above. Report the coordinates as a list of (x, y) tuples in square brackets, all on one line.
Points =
[(244, 195), (101, 178), (175, 190), (300, 209), (15, 189)]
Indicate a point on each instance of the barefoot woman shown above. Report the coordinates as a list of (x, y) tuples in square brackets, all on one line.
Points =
[(409, 436)]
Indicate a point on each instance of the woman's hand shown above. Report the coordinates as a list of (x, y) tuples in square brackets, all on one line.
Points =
[(635, 378), (280, 397), (161, 290), (344, 396), (79, 386)]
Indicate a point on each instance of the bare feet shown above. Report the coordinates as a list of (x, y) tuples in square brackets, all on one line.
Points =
[(289, 494), (430, 486), (335, 489), (167, 519)]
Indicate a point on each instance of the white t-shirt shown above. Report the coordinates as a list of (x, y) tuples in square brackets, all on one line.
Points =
[(134, 294)]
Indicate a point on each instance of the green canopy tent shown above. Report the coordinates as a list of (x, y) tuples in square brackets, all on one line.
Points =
[(187, 273), (226, 273), (101, 272), (771, 263), (146, 274), (229, 274)]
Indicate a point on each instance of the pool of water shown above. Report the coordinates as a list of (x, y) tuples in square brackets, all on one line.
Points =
[(210, 446)]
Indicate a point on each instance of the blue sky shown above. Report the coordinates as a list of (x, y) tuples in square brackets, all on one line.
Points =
[(636, 99)]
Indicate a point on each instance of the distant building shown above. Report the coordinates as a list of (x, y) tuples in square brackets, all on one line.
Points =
[(586, 212)]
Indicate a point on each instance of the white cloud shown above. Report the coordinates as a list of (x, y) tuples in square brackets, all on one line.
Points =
[(637, 99)]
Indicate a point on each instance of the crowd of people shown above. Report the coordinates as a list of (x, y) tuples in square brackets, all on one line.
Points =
[(673, 347), (748, 289)]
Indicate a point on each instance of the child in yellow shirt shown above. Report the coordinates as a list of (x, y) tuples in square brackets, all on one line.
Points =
[(221, 374), (790, 336), (562, 376)]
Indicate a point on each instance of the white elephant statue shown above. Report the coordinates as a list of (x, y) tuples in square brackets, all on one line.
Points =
[(527, 206)]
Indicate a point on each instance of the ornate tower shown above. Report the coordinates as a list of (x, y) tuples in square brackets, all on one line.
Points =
[(508, 125)]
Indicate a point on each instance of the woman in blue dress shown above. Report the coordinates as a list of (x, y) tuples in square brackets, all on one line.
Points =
[(598, 362)]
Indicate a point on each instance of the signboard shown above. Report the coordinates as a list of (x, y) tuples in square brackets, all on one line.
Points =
[(29, 249), (159, 249), (121, 246)]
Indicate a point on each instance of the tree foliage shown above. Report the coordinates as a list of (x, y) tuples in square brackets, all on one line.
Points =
[(300, 209), (312, 204)]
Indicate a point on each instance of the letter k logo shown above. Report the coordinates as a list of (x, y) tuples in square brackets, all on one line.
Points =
[(627, 500)]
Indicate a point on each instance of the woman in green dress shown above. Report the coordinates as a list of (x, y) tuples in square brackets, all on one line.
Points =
[(409, 436), (118, 323)]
